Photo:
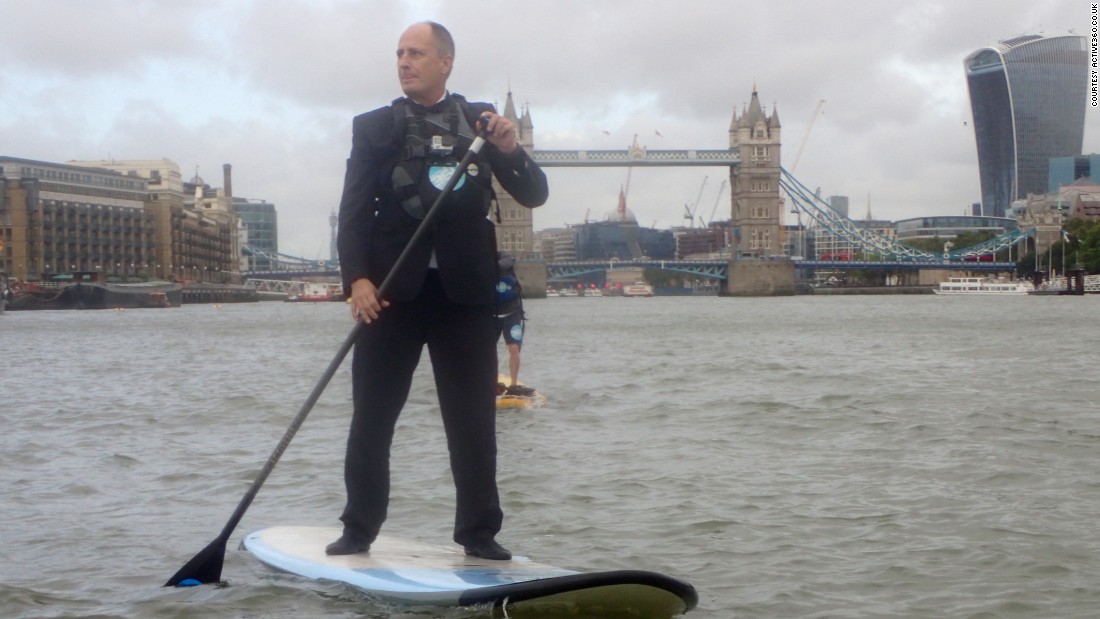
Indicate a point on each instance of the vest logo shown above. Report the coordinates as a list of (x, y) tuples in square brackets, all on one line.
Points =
[(440, 174)]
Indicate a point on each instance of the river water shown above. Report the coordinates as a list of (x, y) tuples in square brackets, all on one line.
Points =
[(862, 456)]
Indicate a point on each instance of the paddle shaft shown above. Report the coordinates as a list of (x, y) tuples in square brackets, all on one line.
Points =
[(218, 545)]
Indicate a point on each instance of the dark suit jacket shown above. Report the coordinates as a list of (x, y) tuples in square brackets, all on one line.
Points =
[(374, 229)]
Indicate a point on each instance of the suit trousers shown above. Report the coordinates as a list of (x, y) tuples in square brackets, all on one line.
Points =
[(461, 341)]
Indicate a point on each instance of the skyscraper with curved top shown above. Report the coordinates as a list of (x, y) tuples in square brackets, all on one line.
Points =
[(1027, 95)]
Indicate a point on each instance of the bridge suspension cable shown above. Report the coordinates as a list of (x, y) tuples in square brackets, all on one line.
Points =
[(886, 248), (828, 218)]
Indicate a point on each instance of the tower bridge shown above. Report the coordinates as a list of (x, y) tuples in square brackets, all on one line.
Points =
[(756, 265), (633, 157), (282, 281), (567, 270), (719, 269)]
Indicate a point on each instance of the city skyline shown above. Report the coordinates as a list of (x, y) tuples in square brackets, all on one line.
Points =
[(245, 84)]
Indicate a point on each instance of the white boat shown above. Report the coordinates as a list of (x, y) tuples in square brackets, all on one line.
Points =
[(569, 292), (593, 292), (638, 289), (983, 286), (313, 292)]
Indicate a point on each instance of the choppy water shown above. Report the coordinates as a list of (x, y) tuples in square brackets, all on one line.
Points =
[(796, 457)]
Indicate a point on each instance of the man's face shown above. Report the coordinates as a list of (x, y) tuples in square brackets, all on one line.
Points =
[(420, 67)]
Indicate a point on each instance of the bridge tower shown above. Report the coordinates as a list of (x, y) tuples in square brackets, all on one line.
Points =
[(754, 185), (515, 223), (756, 220)]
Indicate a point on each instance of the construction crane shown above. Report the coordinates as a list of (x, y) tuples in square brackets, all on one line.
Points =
[(629, 170), (689, 212), (717, 199), (798, 155), (625, 190)]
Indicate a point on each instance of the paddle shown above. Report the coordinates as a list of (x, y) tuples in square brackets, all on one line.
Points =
[(206, 566)]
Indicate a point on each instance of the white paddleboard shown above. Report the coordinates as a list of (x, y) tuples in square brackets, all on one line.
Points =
[(409, 572)]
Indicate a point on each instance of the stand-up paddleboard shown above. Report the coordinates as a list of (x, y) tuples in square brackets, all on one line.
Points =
[(421, 574), (507, 402)]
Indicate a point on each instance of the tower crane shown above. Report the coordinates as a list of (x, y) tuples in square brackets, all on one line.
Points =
[(798, 155), (625, 191), (717, 199), (689, 212)]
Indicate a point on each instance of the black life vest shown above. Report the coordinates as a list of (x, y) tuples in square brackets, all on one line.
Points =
[(433, 142)]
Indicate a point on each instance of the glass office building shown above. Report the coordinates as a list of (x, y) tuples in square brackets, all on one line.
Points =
[(1027, 96), (1065, 170), (950, 226), (261, 220), (604, 240)]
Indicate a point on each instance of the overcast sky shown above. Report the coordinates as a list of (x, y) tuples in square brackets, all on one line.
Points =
[(271, 86)]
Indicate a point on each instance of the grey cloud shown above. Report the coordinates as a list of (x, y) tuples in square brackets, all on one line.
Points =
[(891, 75), (82, 40)]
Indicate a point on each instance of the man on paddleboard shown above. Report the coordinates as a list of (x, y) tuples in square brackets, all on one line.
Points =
[(512, 322), (443, 296)]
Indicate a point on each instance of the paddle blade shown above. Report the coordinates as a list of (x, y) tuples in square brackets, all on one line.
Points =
[(203, 569)]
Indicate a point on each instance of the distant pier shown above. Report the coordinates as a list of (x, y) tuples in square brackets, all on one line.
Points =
[(219, 293)]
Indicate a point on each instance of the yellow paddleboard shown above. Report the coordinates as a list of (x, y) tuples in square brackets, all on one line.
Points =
[(510, 402)]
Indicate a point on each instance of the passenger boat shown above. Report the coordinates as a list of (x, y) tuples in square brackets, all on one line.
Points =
[(316, 292), (638, 289), (982, 286)]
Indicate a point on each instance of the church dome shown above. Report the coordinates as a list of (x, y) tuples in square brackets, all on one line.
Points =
[(622, 216)]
